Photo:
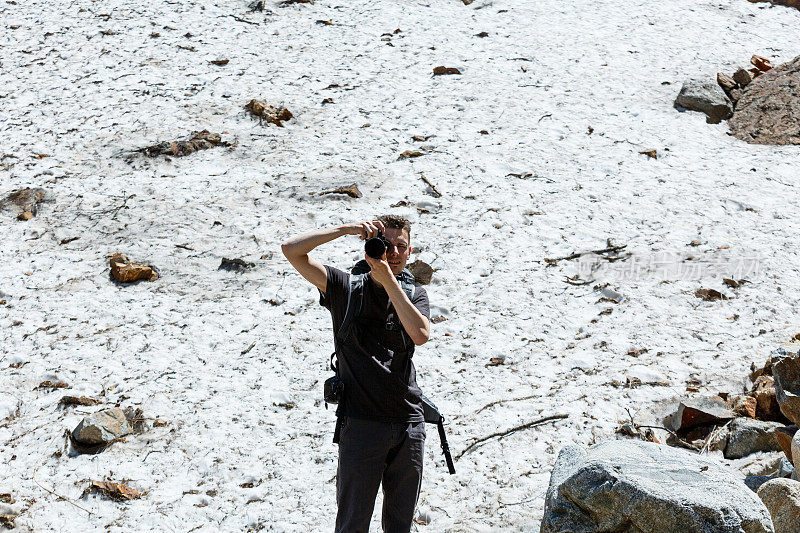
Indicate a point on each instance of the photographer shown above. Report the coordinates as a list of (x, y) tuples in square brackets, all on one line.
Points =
[(380, 424)]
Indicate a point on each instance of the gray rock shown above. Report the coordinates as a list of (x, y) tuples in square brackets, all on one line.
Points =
[(697, 412), (101, 427), (786, 371), (768, 111), (747, 435), (796, 451), (706, 96), (632, 487), (754, 482), (786, 468), (782, 498)]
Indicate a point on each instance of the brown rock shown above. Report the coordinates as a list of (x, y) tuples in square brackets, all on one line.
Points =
[(697, 412), (124, 271), (200, 140), (761, 63), (767, 407), (441, 71), (786, 371), (726, 82), (744, 406), (743, 77), (26, 202), (78, 400), (784, 437), (271, 114), (350, 190), (115, 491), (652, 154), (769, 110), (709, 295), (409, 154), (421, 271)]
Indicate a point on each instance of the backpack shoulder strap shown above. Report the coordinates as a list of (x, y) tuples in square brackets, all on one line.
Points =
[(355, 301), (407, 283)]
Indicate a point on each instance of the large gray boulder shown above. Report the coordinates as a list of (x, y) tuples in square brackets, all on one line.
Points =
[(635, 487), (786, 371), (746, 436), (706, 96), (782, 498), (768, 111), (101, 427)]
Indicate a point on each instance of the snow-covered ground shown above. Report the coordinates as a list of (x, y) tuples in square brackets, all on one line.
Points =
[(568, 93)]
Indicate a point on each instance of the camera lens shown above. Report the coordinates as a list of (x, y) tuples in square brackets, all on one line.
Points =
[(375, 247)]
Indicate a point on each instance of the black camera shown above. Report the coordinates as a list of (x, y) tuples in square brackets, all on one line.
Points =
[(376, 246), (332, 390)]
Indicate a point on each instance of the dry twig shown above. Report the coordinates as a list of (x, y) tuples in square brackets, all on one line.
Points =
[(501, 434)]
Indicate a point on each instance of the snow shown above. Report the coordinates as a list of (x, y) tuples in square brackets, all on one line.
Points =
[(569, 92)]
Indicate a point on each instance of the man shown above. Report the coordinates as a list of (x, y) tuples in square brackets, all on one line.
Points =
[(382, 432)]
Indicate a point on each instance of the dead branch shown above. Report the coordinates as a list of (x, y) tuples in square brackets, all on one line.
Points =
[(498, 402), (436, 193), (608, 250), (501, 434)]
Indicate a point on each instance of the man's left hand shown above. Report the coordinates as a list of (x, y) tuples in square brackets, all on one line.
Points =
[(380, 270)]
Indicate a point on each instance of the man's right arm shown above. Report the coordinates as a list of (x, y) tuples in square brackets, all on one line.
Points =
[(297, 248)]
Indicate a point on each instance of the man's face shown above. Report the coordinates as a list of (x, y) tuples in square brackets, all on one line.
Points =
[(398, 253)]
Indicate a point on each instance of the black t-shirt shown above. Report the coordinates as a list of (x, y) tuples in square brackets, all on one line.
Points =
[(375, 361)]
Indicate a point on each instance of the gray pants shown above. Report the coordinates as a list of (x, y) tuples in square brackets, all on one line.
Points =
[(371, 453)]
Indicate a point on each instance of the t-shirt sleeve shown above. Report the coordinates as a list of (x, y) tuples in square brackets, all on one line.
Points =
[(420, 301), (335, 288)]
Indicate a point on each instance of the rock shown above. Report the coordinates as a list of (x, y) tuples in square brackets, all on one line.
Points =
[(409, 154), (633, 487), (26, 202), (114, 491), (421, 271), (235, 265), (441, 71), (762, 464), (763, 391), (709, 295), (754, 482), (101, 427), (726, 82), (350, 190), (652, 153), (761, 63), (200, 140), (796, 452), (769, 111), (124, 271), (782, 499), (744, 406), (785, 468), (697, 412), (784, 437), (268, 113), (705, 96), (78, 400), (786, 371), (746, 436), (743, 77)]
